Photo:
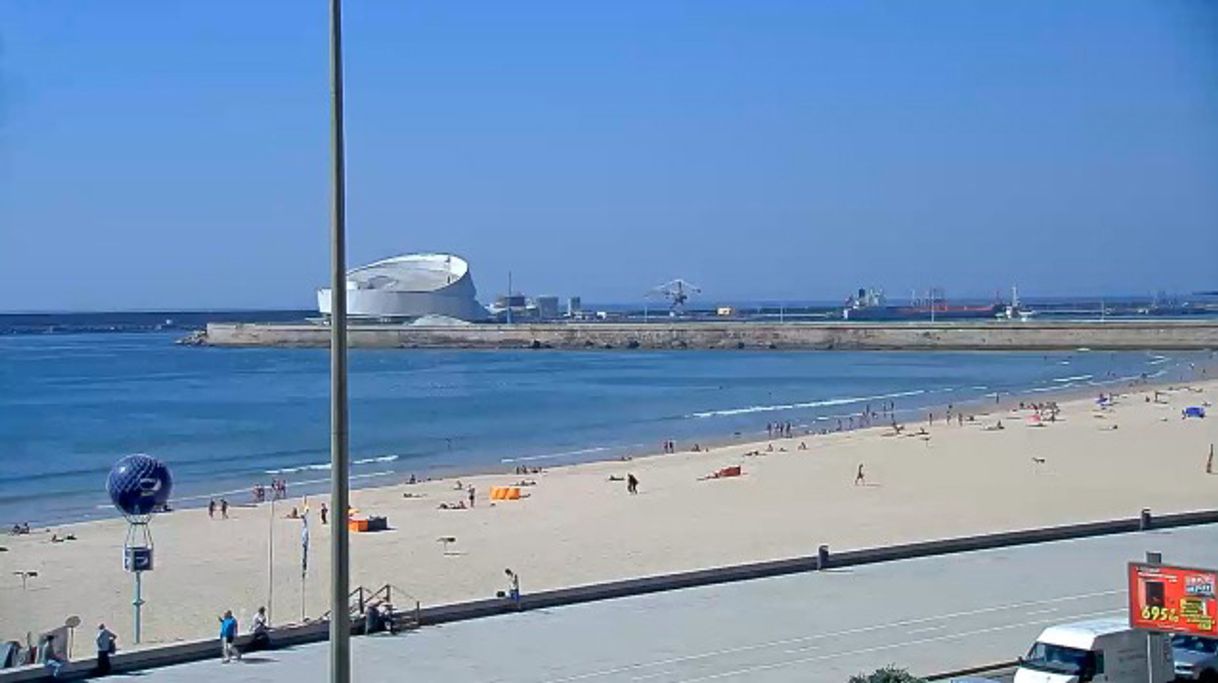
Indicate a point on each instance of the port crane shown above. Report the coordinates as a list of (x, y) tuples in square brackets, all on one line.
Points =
[(676, 292)]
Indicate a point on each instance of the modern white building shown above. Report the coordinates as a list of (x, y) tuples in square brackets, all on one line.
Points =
[(408, 287)]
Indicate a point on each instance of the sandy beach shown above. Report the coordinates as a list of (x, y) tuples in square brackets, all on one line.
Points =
[(577, 526)]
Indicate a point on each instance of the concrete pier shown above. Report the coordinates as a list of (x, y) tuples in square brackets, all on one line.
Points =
[(981, 335)]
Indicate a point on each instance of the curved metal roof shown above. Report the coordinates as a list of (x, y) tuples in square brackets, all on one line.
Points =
[(410, 273)]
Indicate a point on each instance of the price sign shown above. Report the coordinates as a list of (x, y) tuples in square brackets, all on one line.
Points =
[(1173, 599)]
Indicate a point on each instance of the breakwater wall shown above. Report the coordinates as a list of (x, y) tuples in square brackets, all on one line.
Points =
[(981, 335)]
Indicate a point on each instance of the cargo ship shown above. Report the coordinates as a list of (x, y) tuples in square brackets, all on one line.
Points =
[(870, 305)]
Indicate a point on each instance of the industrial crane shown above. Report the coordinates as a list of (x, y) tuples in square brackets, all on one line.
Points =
[(677, 292)]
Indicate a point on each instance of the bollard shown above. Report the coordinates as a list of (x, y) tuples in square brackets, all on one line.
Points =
[(1144, 520), (822, 557)]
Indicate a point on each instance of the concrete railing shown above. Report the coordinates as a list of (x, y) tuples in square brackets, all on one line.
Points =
[(440, 614)]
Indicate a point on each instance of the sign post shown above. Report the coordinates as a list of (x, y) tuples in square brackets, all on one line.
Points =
[(1169, 599), (1165, 600), (139, 485)]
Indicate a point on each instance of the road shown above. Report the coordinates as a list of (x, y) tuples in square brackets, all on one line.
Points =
[(928, 615)]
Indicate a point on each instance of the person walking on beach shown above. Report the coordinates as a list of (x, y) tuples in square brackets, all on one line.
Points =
[(228, 633), (471, 495), (859, 478), (224, 508), (105, 647), (1209, 462), (632, 482), (324, 512), (211, 508)]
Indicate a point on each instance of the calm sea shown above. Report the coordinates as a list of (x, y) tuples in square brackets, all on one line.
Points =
[(70, 405)]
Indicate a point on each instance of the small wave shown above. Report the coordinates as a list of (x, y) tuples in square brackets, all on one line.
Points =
[(1074, 378), (1157, 360), (235, 492), (979, 387), (809, 404), (317, 467), (551, 456), (381, 458), (1063, 362), (301, 468)]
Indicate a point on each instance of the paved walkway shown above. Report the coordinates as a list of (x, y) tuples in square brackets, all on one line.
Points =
[(928, 615)]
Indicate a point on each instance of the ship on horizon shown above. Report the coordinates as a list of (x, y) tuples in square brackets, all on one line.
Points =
[(871, 305)]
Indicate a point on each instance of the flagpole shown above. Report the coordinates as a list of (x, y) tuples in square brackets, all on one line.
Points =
[(340, 616), (304, 561), (270, 564)]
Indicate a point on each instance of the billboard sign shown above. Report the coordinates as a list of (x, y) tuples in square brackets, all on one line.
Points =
[(1173, 599)]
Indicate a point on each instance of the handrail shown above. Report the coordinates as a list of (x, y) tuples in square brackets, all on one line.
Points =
[(363, 598)]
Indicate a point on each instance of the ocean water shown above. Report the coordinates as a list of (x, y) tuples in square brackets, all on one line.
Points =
[(224, 419)]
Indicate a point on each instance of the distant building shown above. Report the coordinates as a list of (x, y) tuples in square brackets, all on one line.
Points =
[(575, 307), (547, 307), (408, 287)]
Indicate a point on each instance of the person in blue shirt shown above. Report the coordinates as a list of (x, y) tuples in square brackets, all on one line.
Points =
[(228, 633)]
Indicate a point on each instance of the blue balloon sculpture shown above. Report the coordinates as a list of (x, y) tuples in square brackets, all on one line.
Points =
[(139, 485)]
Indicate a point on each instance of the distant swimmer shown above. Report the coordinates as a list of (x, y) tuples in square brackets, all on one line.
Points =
[(860, 479)]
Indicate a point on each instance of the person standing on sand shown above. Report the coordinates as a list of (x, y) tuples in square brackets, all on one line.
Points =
[(859, 478), (224, 508), (471, 495), (632, 483), (324, 512), (228, 633), (1209, 462), (105, 648), (211, 508)]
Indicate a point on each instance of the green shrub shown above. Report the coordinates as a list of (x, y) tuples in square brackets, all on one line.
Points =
[(888, 674)]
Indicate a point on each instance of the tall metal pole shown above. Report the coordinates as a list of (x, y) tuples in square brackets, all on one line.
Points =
[(137, 603), (340, 616), (270, 564)]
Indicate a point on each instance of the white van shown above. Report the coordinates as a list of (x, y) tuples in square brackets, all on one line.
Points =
[(1100, 650)]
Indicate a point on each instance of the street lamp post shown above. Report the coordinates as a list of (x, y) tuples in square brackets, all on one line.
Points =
[(340, 617), (26, 575)]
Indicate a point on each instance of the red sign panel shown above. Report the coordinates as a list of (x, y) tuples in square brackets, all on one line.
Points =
[(1173, 599)]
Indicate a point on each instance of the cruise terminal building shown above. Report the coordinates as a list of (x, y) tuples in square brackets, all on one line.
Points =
[(408, 287)]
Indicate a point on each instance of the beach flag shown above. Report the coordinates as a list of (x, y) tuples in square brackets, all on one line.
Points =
[(304, 544)]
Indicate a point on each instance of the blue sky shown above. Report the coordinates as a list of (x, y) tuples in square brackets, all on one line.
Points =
[(169, 154)]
